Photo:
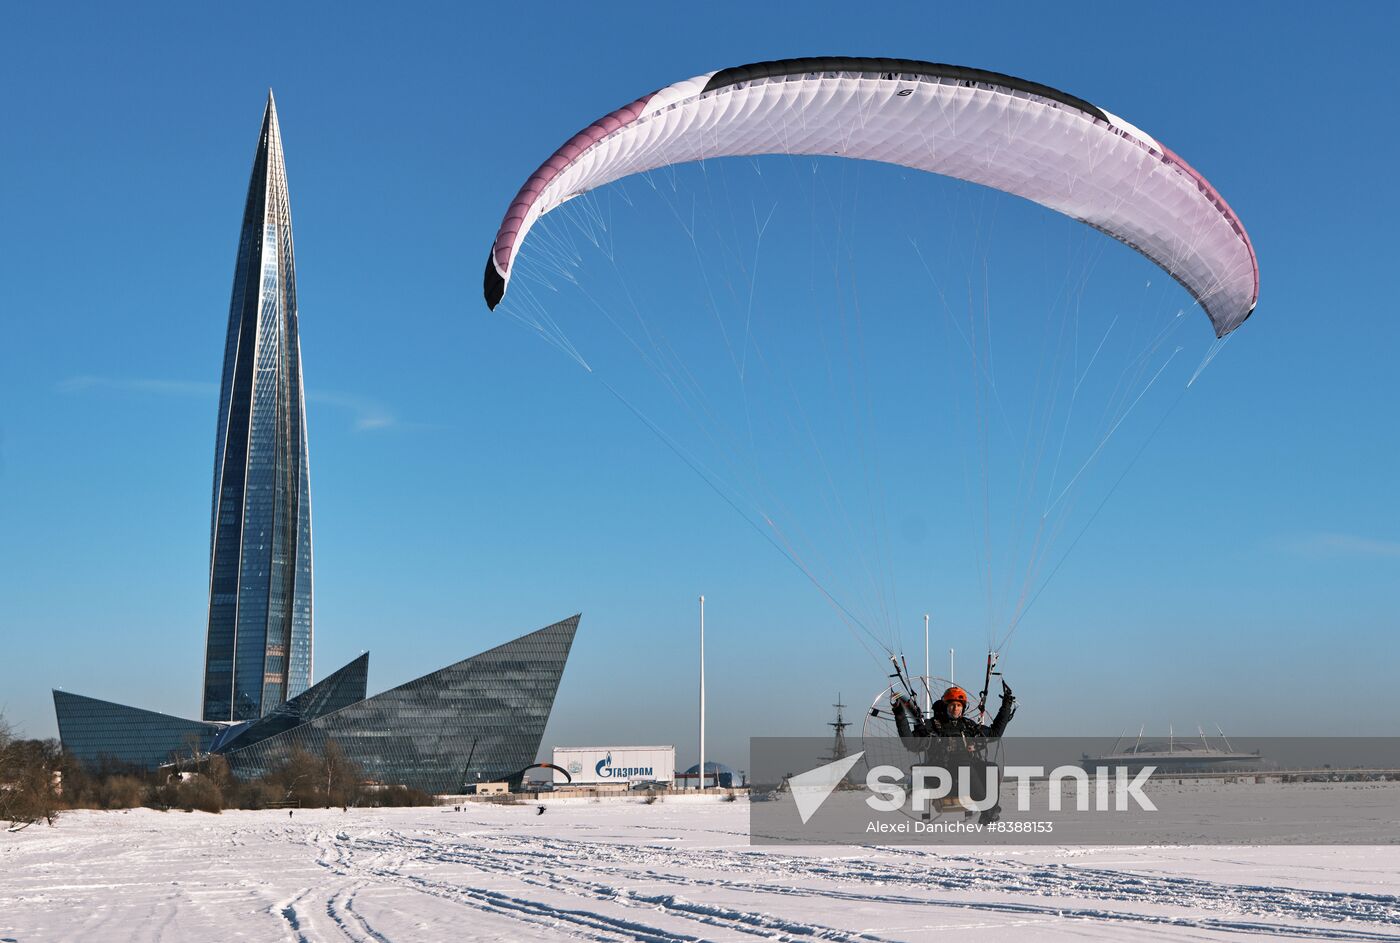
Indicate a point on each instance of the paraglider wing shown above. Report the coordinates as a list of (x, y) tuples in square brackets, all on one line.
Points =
[(558, 769), (991, 129)]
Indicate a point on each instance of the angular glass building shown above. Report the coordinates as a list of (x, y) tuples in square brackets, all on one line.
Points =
[(101, 733), (341, 689), (258, 648), (479, 720)]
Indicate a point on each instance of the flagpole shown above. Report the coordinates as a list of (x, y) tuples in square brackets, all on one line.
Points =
[(701, 768), (928, 677)]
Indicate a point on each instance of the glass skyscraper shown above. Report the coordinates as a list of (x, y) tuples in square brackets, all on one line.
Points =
[(477, 720), (258, 649)]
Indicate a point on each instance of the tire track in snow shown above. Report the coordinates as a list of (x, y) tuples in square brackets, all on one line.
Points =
[(289, 915), (758, 924), (557, 857), (339, 860), (340, 907), (973, 874), (594, 926), (754, 923), (335, 855), (712, 916), (1053, 910)]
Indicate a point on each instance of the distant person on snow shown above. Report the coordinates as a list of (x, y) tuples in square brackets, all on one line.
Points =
[(949, 719)]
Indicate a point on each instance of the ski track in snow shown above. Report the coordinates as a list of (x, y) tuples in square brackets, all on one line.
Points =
[(665, 873)]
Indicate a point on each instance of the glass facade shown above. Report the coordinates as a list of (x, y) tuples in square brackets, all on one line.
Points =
[(99, 732), (258, 648), (479, 720), (341, 689)]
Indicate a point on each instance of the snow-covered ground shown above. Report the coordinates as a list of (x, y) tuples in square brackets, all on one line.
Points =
[(628, 871)]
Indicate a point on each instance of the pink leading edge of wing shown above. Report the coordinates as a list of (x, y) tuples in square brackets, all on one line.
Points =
[(576, 145), (1171, 157)]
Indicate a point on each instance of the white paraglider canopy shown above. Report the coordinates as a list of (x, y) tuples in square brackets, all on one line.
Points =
[(1007, 133)]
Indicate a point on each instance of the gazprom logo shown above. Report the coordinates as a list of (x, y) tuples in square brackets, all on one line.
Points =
[(605, 770)]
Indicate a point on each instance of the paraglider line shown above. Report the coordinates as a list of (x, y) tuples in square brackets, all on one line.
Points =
[(729, 501), (1148, 441)]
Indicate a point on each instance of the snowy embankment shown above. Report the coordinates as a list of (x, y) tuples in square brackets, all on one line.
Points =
[(629, 871)]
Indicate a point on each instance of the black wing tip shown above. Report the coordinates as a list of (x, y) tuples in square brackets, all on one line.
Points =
[(807, 64), (1221, 335), (494, 286)]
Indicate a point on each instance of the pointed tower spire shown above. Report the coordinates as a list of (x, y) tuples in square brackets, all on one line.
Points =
[(258, 646)]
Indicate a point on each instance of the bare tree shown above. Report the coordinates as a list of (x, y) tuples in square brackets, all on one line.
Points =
[(342, 776), (6, 738), (217, 770), (300, 777), (29, 788)]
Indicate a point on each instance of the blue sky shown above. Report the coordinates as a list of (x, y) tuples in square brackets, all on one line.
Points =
[(469, 484)]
